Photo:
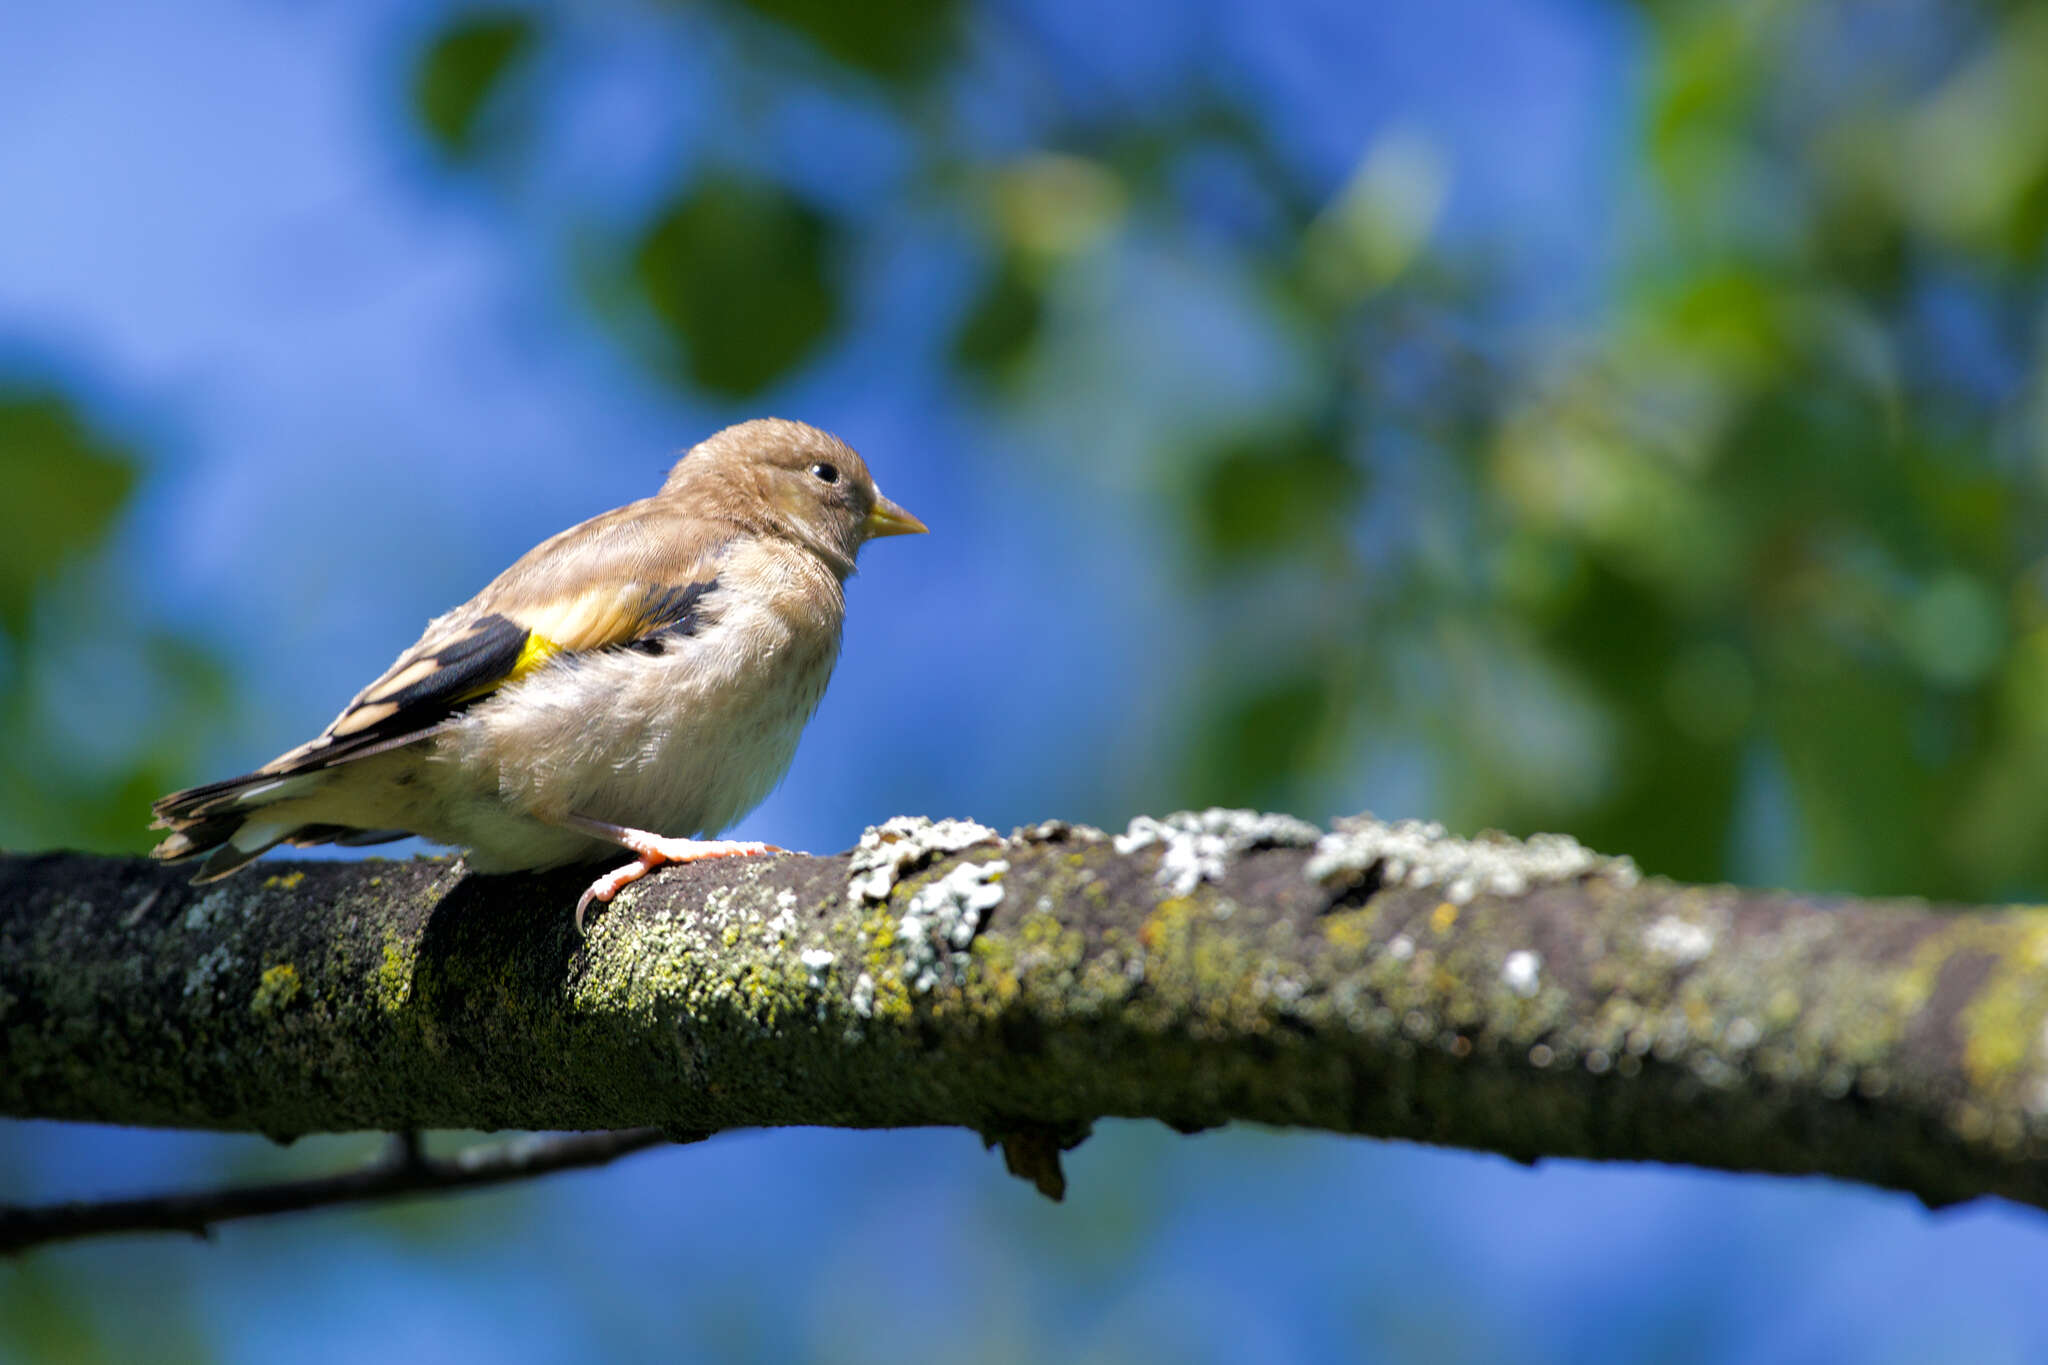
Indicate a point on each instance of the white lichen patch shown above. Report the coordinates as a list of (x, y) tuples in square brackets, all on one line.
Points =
[(1198, 845), (717, 909), (208, 909), (903, 843), (818, 963), (941, 920), (782, 923), (863, 997), (1678, 941), (1283, 989), (208, 969), (1419, 853), (1522, 973)]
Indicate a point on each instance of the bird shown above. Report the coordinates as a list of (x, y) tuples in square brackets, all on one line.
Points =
[(637, 682)]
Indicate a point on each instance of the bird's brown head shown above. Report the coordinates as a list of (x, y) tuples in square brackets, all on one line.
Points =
[(793, 479)]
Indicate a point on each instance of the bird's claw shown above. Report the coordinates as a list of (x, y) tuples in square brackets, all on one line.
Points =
[(610, 884), (654, 851)]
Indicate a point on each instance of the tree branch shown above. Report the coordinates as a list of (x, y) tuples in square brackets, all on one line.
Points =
[(404, 1169), (1529, 1000)]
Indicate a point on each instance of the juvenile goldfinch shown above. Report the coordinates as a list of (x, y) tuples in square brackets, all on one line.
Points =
[(637, 682)]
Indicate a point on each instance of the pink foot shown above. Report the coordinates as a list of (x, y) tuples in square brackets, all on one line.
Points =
[(652, 851)]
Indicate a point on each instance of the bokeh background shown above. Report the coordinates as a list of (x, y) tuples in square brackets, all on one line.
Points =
[(1622, 418)]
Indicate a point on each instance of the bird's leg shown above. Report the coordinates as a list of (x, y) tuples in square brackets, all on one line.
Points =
[(649, 852)]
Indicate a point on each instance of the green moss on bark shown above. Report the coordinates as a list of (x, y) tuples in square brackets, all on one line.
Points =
[(1589, 1016)]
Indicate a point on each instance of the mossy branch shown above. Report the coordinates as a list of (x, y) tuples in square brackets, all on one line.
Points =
[(1387, 981)]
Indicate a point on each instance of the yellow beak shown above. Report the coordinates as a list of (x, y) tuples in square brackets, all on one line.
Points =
[(888, 519)]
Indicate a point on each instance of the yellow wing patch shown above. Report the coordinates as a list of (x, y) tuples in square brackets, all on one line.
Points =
[(537, 650)]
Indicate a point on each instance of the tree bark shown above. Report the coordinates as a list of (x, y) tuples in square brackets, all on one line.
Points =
[(1531, 1000)]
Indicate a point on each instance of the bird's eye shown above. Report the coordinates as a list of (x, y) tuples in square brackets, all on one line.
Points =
[(826, 473)]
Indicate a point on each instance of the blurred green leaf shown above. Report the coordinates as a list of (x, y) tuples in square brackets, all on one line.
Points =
[(896, 40), (61, 487), (50, 1316), (98, 713), (1870, 816), (463, 69), (741, 272), (1292, 491), (996, 335), (1260, 734)]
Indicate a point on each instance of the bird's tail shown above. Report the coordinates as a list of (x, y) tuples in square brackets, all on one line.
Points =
[(236, 821)]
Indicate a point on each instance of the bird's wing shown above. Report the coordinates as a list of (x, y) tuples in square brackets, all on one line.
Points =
[(615, 581)]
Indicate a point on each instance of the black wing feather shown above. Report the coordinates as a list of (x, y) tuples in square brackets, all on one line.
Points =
[(676, 611), (464, 670)]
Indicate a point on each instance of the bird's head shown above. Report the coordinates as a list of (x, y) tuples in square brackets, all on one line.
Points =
[(793, 479)]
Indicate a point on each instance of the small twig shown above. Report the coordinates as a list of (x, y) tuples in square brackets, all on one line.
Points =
[(407, 1152), (404, 1168)]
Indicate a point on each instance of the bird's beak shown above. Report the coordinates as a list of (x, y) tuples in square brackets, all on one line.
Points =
[(888, 519)]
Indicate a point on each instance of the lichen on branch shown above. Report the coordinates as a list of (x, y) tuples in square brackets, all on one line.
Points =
[(1529, 998)]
